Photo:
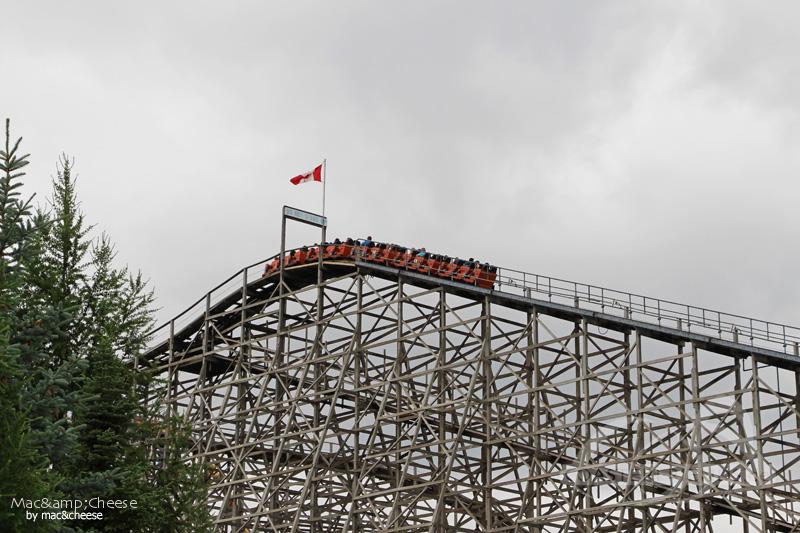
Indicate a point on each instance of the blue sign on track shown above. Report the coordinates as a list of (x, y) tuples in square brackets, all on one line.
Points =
[(305, 216)]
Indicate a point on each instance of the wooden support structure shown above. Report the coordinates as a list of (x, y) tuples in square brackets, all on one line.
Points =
[(346, 396)]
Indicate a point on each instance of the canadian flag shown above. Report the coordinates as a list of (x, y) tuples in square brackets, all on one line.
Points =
[(313, 175)]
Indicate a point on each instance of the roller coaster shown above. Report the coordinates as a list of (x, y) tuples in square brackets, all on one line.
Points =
[(368, 387), (467, 271)]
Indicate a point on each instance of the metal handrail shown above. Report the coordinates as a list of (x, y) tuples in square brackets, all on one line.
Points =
[(735, 328), (726, 326)]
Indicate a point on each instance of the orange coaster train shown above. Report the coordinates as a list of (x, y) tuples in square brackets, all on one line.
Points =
[(460, 270)]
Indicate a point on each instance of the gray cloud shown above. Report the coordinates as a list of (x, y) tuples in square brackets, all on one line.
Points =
[(644, 147)]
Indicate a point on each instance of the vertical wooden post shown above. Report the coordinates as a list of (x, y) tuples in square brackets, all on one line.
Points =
[(486, 448), (756, 390)]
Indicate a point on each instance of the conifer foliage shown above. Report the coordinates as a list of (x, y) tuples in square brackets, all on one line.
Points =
[(73, 413), (24, 469)]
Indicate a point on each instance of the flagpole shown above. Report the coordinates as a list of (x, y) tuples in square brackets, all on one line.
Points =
[(324, 182)]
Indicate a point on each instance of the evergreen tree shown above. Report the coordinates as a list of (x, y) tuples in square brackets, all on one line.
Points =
[(23, 469), (74, 422), (111, 313), (44, 329), (59, 276)]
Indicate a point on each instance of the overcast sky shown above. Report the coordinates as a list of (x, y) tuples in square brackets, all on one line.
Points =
[(649, 147)]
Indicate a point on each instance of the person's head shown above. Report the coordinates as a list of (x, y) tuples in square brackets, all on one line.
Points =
[(369, 237)]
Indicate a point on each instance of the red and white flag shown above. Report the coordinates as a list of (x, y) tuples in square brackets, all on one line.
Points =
[(313, 175)]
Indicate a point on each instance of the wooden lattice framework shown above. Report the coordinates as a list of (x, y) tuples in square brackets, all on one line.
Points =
[(362, 398)]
